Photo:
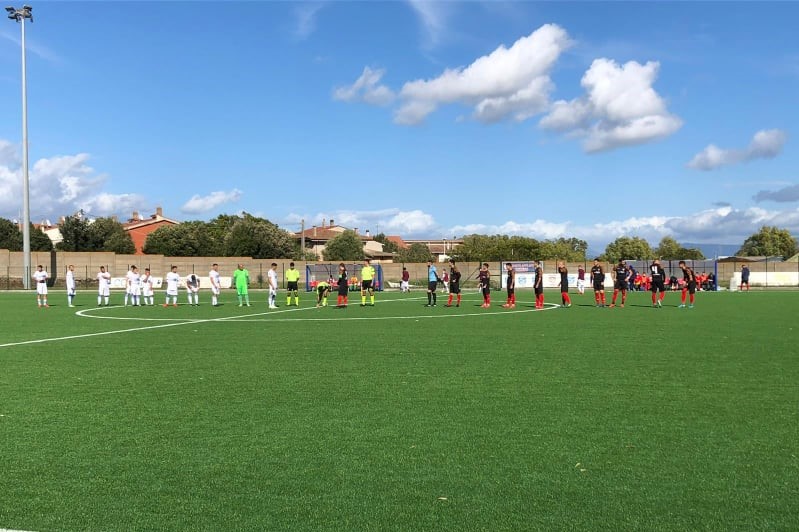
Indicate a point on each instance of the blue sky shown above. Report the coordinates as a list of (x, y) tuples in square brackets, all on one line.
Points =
[(425, 119)]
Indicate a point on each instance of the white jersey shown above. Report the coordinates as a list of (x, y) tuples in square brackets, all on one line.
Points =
[(272, 274), (216, 285), (147, 285), (41, 281), (192, 283), (172, 283), (134, 283), (103, 284), (70, 282)]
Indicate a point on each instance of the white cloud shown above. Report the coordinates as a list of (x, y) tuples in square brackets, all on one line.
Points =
[(433, 16), (200, 204), (58, 185), (723, 225), (388, 221), (766, 144), (786, 194), (509, 82), (367, 89), (305, 16), (620, 107)]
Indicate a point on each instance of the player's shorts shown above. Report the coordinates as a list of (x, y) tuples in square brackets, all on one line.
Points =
[(511, 291), (658, 285), (454, 288), (172, 293), (691, 287), (432, 285), (292, 285), (147, 291), (322, 289), (620, 285), (486, 290), (241, 290), (343, 289), (599, 286), (215, 290), (104, 291), (71, 290), (41, 288), (538, 290), (564, 288), (366, 285)]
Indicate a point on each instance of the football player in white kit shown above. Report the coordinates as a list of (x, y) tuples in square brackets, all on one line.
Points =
[(193, 289), (133, 286), (272, 277), (71, 285), (40, 276), (216, 285), (103, 286), (172, 284), (147, 288)]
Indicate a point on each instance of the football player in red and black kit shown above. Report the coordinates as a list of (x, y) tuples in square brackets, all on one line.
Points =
[(598, 280), (622, 283), (538, 286), (658, 275), (454, 283), (485, 285), (689, 286), (511, 285), (564, 284)]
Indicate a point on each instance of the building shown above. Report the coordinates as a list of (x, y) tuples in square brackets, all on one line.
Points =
[(139, 227), (317, 237)]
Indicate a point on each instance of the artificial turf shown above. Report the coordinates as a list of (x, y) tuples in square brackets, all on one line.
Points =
[(401, 417)]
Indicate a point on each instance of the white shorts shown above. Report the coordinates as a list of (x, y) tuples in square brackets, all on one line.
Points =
[(70, 290), (580, 283), (41, 289), (147, 292), (104, 291), (172, 293), (215, 290)]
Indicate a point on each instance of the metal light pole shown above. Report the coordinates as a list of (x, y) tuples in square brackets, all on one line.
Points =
[(19, 15)]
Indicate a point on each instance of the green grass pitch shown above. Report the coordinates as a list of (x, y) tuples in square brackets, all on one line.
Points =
[(401, 417)]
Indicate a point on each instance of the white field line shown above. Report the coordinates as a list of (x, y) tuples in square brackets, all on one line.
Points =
[(189, 321)]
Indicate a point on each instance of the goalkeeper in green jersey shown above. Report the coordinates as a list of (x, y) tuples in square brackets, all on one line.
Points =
[(241, 278)]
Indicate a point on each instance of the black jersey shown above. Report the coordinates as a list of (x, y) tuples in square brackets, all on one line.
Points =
[(597, 274), (688, 275), (564, 278), (657, 272), (621, 272), (454, 276), (511, 278)]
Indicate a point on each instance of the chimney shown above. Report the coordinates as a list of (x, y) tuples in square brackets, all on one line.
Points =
[(367, 233), (314, 231), (331, 222), (135, 216), (159, 211)]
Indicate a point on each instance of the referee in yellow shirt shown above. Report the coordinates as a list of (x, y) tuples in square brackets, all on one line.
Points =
[(292, 285), (367, 283)]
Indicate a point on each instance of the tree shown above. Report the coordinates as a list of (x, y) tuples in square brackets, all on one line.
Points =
[(107, 234), (217, 231), (174, 241), (416, 252), (258, 238), (769, 242), (75, 234), (670, 249), (344, 247), (625, 247), (10, 235), (568, 249), (39, 240)]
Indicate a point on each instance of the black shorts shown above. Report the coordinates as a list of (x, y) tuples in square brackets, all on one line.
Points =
[(321, 290), (620, 285), (454, 288), (366, 285), (486, 290), (343, 289), (432, 285), (538, 289), (658, 285), (599, 286), (292, 285), (691, 287), (511, 291), (564, 288)]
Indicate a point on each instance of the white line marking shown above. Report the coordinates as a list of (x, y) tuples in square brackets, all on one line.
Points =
[(191, 321)]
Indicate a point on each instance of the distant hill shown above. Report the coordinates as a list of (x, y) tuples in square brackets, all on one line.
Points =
[(712, 251)]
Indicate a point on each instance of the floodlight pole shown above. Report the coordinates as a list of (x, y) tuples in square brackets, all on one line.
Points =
[(19, 15)]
